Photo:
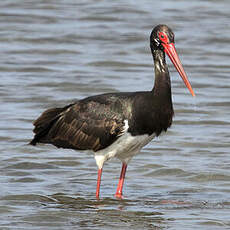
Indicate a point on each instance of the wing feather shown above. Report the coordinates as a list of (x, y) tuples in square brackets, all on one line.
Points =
[(88, 125)]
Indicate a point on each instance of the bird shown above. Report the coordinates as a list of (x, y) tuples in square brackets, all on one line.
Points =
[(118, 124)]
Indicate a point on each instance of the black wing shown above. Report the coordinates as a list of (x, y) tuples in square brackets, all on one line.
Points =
[(92, 123)]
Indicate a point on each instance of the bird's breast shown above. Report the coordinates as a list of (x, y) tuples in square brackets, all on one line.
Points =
[(125, 147)]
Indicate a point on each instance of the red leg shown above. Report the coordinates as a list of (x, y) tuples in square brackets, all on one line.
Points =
[(121, 181), (98, 182)]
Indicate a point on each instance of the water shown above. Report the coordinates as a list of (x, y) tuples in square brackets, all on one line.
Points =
[(53, 52)]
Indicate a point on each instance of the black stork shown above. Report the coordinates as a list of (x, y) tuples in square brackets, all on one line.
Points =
[(117, 124)]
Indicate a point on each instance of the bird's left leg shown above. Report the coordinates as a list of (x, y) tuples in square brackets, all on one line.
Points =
[(121, 181)]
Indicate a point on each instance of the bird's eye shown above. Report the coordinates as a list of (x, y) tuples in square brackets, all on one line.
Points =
[(163, 37)]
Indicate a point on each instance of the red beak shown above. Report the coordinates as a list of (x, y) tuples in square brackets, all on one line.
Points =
[(170, 50)]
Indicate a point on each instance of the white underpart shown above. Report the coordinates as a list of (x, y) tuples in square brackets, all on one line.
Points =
[(124, 148)]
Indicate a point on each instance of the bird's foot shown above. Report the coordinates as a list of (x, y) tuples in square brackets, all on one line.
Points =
[(119, 196)]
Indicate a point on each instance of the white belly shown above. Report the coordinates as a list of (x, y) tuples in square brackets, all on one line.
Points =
[(124, 148)]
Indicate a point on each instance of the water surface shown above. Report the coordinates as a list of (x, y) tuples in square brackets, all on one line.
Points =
[(54, 52)]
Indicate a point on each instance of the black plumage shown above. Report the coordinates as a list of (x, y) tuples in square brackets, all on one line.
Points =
[(96, 122), (117, 124)]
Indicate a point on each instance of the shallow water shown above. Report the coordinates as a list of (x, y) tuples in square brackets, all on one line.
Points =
[(53, 52)]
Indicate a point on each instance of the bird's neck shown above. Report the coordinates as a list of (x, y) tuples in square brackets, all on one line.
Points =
[(162, 85)]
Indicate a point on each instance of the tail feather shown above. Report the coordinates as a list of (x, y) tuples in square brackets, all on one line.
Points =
[(44, 123)]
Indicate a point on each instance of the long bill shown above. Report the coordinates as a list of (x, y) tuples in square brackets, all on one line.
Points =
[(170, 50)]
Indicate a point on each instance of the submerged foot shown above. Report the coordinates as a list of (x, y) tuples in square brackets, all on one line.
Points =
[(119, 196)]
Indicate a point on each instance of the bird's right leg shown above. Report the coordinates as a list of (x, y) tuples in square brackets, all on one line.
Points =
[(100, 159), (99, 173)]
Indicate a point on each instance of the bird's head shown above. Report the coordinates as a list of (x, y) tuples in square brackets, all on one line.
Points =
[(162, 38), (161, 35)]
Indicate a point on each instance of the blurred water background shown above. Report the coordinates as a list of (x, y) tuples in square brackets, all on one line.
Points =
[(54, 52)]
